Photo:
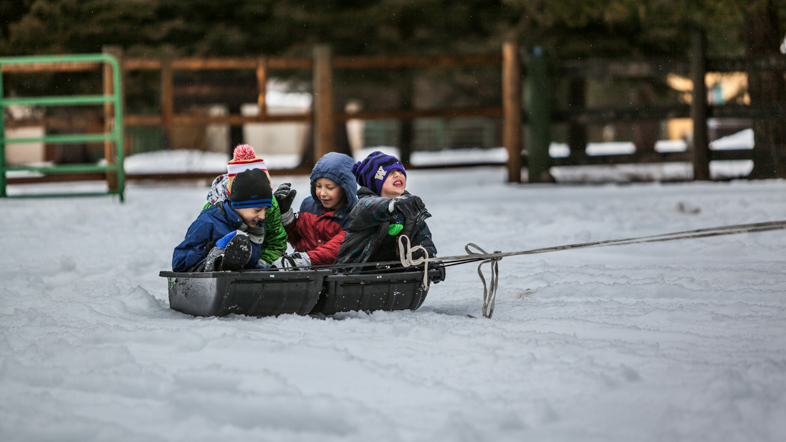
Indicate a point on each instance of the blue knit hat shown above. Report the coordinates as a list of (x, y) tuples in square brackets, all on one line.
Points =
[(372, 171)]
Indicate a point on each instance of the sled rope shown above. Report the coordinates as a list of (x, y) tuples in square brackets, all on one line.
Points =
[(688, 234), (490, 295), (490, 291), (405, 253)]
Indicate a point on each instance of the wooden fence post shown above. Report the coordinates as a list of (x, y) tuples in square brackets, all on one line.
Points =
[(167, 98), (3, 179), (262, 84), (109, 110), (511, 108), (538, 117), (577, 133), (324, 120), (700, 153)]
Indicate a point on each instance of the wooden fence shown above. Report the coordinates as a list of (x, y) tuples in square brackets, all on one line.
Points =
[(695, 67), (521, 72)]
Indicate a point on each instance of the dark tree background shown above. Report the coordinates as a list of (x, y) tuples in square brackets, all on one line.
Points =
[(569, 28)]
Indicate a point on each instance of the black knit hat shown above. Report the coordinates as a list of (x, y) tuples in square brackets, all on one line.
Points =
[(251, 188)]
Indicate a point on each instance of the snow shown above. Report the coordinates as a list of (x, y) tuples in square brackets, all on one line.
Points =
[(670, 341), (740, 140)]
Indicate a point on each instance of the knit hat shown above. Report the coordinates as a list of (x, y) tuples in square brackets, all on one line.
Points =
[(251, 188), (244, 158), (372, 171)]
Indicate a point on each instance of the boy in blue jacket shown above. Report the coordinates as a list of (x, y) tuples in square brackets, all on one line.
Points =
[(223, 235)]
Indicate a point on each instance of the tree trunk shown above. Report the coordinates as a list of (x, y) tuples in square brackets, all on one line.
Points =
[(763, 37)]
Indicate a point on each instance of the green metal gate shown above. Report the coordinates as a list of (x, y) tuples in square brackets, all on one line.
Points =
[(114, 135)]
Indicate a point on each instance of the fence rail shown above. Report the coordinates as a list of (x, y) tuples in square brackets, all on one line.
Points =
[(522, 71)]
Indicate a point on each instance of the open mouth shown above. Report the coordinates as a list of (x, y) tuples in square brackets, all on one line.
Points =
[(398, 183)]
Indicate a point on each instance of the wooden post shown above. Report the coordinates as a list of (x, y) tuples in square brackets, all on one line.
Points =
[(406, 131), (324, 121), (3, 179), (511, 109), (538, 117), (698, 108), (577, 133), (262, 82), (109, 112), (167, 98)]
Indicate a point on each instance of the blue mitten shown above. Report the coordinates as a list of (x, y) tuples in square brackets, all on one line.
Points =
[(225, 240)]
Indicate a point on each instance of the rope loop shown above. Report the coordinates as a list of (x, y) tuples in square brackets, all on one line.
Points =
[(490, 292), (405, 254)]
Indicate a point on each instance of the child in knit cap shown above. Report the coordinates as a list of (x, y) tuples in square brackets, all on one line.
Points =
[(384, 211), (271, 234), (221, 237)]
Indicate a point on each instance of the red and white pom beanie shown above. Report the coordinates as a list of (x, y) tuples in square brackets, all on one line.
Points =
[(243, 159)]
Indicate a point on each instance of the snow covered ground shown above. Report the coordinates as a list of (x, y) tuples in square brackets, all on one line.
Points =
[(679, 341)]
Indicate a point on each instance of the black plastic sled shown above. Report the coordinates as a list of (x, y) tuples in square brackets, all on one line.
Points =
[(266, 293)]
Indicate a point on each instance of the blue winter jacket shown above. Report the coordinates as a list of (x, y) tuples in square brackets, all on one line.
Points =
[(210, 226)]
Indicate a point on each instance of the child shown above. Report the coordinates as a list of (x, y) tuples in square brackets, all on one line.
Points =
[(384, 211), (275, 238), (317, 231), (221, 238)]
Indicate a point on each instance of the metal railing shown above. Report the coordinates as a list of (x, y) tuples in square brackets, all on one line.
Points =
[(113, 110)]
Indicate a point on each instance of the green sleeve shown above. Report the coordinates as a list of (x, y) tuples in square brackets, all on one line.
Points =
[(275, 243)]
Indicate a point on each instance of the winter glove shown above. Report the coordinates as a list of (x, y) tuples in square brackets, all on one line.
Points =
[(285, 194), (408, 205), (297, 259)]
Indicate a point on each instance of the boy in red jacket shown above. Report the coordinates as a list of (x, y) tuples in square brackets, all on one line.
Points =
[(317, 230)]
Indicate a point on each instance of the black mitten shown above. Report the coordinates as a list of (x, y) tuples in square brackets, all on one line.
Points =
[(409, 206), (285, 194)]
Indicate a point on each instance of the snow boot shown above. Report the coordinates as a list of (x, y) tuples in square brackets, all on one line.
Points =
[(212, 261), (236, 253)]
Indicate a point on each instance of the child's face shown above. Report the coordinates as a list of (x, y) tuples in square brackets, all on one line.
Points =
[(252, 215), (394, 186), (330, 194)]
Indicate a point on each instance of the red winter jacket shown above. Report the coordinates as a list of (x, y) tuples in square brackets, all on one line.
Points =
[(318, 232)]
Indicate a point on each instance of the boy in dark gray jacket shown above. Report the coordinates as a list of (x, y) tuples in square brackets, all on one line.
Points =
[(384, 212)]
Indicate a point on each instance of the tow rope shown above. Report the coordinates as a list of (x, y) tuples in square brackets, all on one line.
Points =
[(490, 291)]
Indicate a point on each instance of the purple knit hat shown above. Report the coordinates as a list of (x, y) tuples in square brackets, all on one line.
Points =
[(372, 171)]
